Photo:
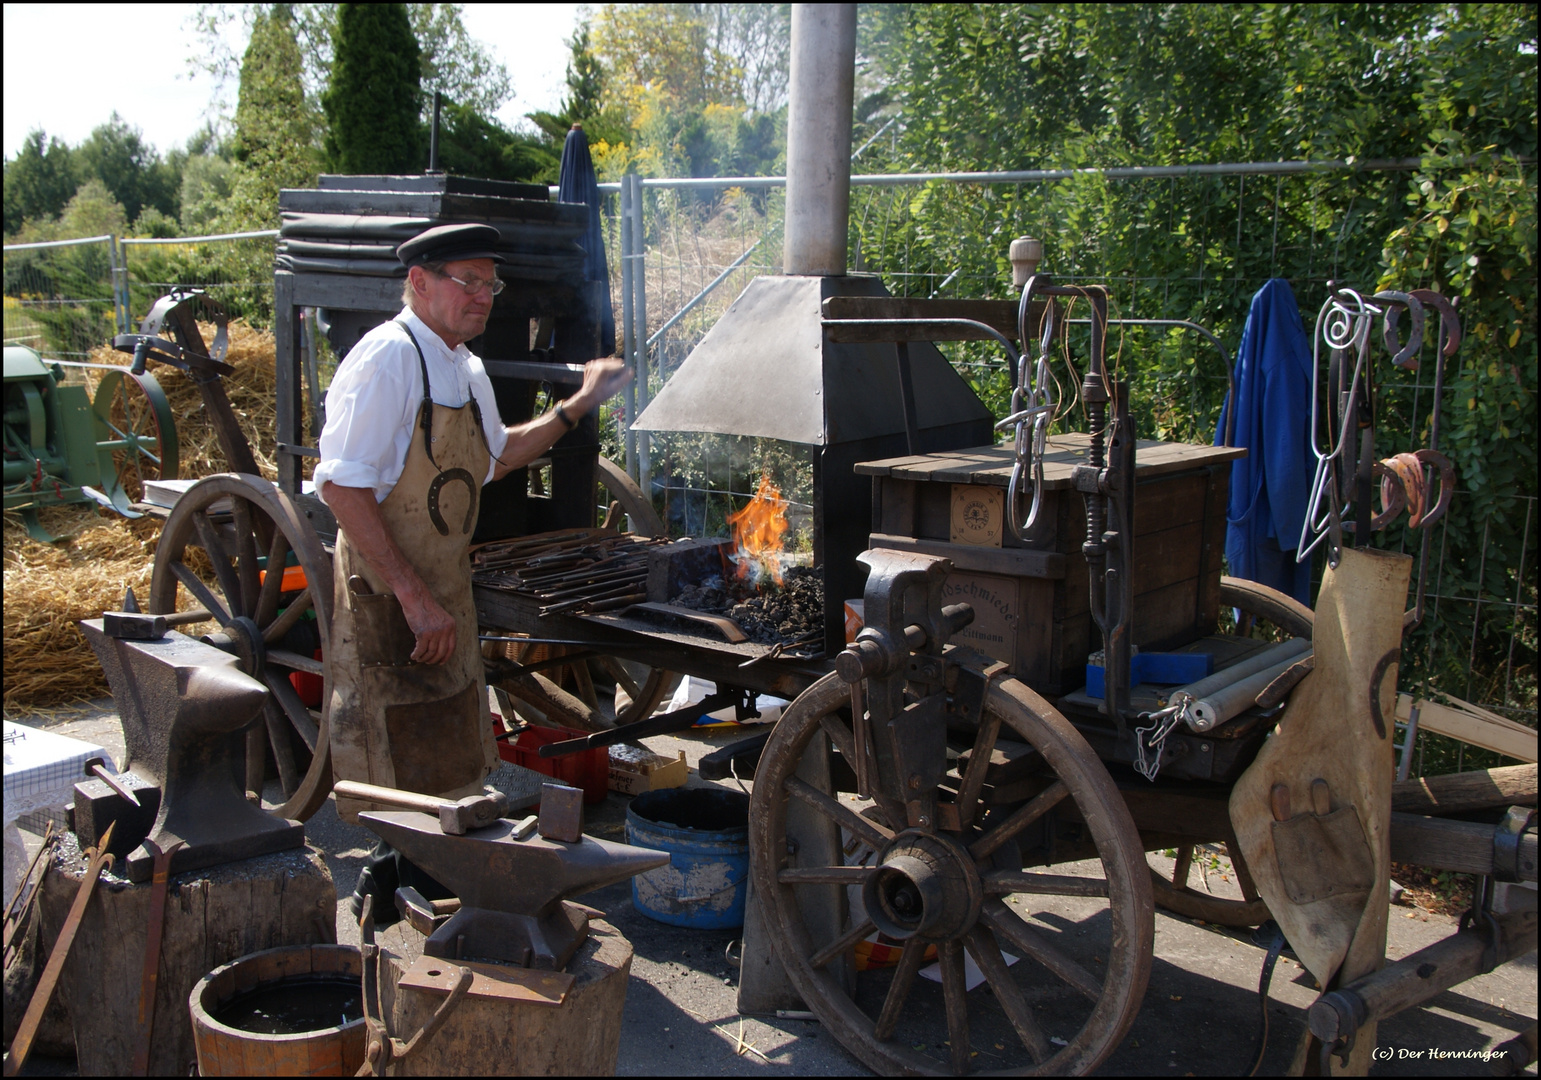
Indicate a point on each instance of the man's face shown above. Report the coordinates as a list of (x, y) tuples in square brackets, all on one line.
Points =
[(449, 309)]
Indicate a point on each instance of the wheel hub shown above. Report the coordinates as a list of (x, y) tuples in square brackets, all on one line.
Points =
[(242, 638), (926, 886)]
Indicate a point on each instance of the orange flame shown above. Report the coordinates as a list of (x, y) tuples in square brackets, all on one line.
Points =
[(757, 530)]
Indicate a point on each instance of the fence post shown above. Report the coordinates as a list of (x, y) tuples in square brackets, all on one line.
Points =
[(118, 261), (628, 327), (639, 329)]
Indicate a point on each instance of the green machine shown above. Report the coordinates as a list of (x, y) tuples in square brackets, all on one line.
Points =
[(65, 446)]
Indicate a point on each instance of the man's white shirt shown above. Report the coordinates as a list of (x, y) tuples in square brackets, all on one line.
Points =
[(371, 407)]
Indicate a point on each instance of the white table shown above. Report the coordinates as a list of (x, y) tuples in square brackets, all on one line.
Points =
[(41, 770)]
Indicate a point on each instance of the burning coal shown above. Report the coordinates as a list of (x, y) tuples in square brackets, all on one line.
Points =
[(790, 614), (757, 532)]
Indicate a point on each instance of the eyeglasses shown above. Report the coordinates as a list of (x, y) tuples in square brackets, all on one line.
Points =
[(474, 285)]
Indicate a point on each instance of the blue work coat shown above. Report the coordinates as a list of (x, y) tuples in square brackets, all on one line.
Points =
[(1272, 484)]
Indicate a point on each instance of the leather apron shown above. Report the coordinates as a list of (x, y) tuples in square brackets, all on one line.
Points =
[(393, 721)]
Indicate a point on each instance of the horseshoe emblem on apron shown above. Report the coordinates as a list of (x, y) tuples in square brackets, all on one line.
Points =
[(433, 500)]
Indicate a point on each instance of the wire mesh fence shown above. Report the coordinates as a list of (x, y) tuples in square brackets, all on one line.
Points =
[(61, 297)]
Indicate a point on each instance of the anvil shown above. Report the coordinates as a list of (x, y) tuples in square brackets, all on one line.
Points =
[(512, 892), (184, 706)]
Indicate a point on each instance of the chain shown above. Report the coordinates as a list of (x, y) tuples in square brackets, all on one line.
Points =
[(1148, 740)]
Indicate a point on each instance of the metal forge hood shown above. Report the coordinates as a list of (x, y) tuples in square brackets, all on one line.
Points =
[(767, 369)]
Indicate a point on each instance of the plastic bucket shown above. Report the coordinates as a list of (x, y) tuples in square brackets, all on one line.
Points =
[(706, 833)]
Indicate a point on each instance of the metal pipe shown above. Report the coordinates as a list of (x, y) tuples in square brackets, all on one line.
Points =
[(62, 243), (820, 94), (628, 325), (639, 327), (171, 240), (1030, 176)]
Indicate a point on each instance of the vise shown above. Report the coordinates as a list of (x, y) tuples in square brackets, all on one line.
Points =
[(184, 706), (513, 886)]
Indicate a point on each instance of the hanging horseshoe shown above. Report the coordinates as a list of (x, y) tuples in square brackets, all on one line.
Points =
[(433, 500)]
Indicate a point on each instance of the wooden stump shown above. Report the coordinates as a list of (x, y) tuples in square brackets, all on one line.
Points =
[(213, 916), (498, 1037)]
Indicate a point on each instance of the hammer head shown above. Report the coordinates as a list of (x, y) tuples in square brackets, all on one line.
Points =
[(472, 812)]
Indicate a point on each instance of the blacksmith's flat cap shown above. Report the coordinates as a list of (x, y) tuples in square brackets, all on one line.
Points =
[(451, 243)]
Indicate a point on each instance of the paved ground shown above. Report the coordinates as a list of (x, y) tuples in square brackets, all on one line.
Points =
[(1200, 1014)]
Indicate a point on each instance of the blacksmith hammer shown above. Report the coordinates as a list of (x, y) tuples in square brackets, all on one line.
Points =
[(471, 812)]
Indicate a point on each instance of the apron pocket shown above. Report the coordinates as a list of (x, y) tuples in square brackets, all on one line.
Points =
[(383, 636), (1323, 856), (437, 745)]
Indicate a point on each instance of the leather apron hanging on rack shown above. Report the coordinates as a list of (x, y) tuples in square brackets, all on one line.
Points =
[(392, 721)]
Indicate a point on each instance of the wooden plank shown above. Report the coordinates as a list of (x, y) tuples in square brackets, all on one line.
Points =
[(894, 510), (1165, 501), (1472, 724), (1165, 618), (933, 511), (1509, 785), (1463, 846), (1168, 556), (1014, 562)]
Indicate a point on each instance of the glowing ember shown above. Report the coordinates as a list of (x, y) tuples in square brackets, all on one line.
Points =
[(757, 530)]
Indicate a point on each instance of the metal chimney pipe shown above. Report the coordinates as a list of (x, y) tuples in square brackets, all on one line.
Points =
[(819, 138)]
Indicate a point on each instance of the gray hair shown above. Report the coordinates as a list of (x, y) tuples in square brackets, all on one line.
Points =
[(407, 291)]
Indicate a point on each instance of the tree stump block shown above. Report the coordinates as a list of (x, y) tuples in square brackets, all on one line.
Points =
[(499, 1037), (213, 916)]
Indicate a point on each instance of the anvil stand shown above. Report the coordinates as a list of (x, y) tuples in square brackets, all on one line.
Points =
[(184, 707)]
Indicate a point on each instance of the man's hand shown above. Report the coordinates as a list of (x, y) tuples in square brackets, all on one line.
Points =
[(602, 379), (358, 514), (529, 440), (434, 627)]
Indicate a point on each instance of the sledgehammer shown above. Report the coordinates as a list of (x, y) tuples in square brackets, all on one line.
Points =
[(472, 812)]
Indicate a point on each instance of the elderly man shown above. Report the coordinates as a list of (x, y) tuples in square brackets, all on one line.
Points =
[(412, 432)]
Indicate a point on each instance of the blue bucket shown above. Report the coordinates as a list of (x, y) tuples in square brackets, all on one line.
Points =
[(706, 833)]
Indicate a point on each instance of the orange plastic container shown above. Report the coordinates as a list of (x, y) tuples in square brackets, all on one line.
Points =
[(589, 770)]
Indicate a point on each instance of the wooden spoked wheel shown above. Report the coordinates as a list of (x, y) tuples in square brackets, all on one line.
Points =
[(234, 527), (632, 501), (1270, 615), (1064, 1006), (136, 430)]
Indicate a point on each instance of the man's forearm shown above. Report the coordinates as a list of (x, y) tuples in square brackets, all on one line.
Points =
[(358, 515), (528, 441)]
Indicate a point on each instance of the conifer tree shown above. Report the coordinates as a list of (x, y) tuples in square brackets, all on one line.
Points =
[(372, 103)]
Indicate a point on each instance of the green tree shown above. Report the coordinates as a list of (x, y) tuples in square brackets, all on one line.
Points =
[(373, 101), (275, 129), (39, 182), (118, 156), (472, 145)]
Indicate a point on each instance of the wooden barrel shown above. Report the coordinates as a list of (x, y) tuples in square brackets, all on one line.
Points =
[(336, 1050)]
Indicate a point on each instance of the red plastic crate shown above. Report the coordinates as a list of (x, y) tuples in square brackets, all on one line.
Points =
[(589, 770)]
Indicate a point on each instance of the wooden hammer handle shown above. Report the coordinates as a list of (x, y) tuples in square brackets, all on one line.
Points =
[(408, 800)]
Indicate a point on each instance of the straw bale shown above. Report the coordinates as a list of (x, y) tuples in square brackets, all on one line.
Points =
[(49, 588)]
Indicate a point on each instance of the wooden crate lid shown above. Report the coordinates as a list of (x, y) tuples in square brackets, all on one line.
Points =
[(991, 465)]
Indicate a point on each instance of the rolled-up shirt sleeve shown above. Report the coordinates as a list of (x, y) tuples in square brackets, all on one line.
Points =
[(368, 426)]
